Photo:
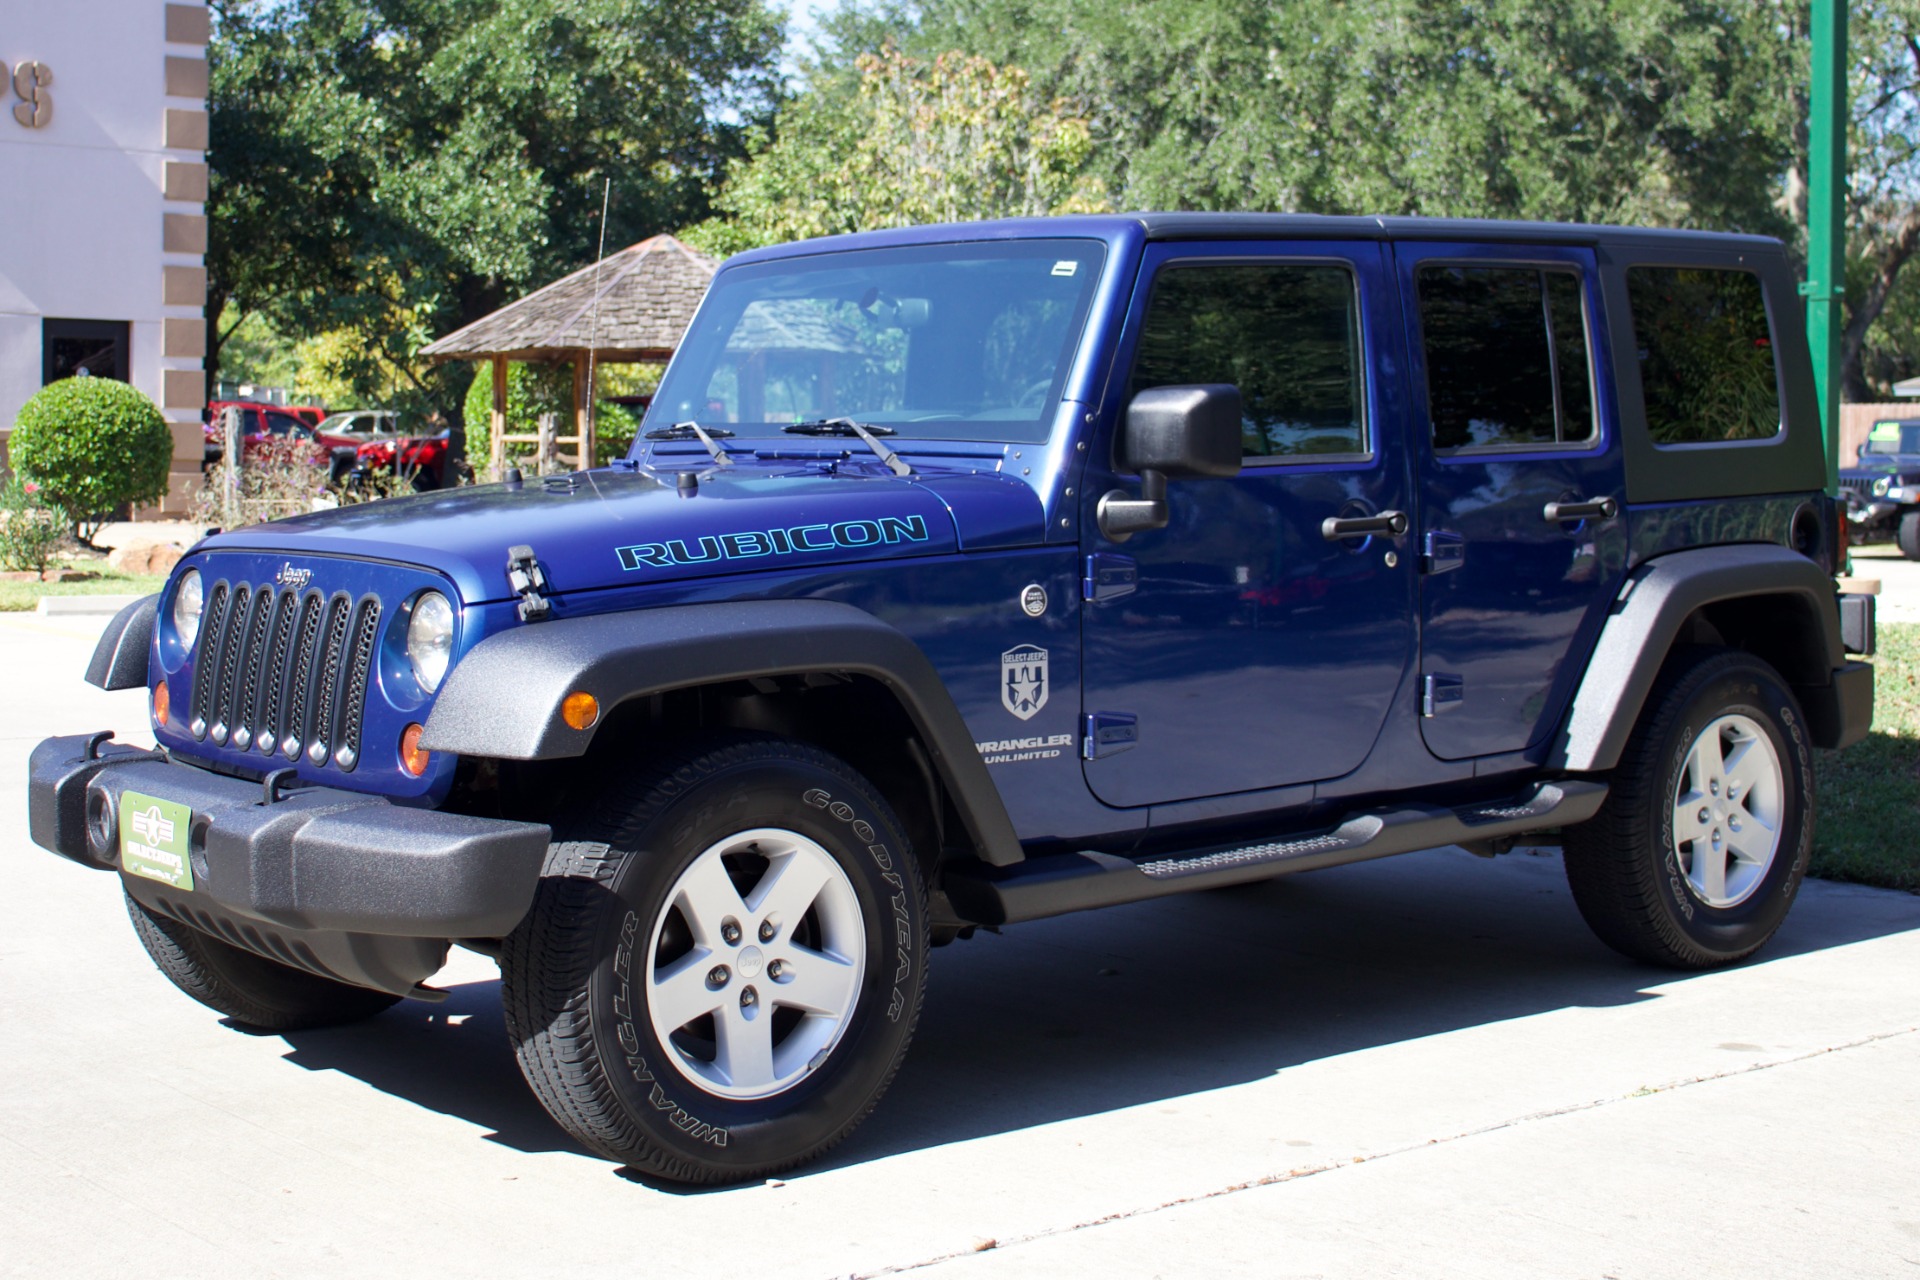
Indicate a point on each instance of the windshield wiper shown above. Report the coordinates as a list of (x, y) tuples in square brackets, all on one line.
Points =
[(848, 427), (693, 430)]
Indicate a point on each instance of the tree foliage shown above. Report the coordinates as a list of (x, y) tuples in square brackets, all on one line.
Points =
[(1664, 111), (899, 140), (396, 168)]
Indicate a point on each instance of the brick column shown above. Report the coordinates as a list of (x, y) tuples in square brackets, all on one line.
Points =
[(183, 243)]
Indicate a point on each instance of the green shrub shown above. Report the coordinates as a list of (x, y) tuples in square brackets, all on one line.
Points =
[(534, 389), (30, 531), (92, 445)]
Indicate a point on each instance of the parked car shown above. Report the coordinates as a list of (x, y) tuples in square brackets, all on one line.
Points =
[(1882, 488), (265, 427), (362, 425), (963, 576), (422, 459)]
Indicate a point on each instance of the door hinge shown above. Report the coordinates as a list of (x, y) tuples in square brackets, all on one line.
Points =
[(1109, 733), (1443, 551), (1109, 577), (1438, 692)]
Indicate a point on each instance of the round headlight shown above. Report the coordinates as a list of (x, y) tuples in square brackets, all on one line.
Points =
[(1881, 486), (189, 598), (430, 639)]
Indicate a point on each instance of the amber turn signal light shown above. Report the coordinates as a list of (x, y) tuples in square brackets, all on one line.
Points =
[(162, 703), (412, 758), (581, 710)]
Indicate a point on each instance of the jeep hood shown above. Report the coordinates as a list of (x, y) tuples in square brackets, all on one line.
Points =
[(616, 527)]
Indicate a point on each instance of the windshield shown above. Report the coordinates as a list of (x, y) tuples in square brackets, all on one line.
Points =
[(957, 341), (1893, 437)]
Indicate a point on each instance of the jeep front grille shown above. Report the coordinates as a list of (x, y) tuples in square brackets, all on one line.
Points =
[(1861, 485), (284, 673)]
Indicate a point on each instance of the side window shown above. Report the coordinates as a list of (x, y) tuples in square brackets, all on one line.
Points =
[(1507, 356), (285, 424), (1706, 355), (1288, 335)]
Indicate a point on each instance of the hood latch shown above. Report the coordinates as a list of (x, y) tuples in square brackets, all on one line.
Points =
[(528, 580)]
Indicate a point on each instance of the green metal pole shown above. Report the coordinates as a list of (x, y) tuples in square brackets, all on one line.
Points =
[(1827, 218)]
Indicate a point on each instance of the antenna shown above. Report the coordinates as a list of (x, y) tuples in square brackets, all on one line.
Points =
[(593, 335)]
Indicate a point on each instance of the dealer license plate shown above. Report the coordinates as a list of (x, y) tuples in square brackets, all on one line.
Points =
[(153, 839)]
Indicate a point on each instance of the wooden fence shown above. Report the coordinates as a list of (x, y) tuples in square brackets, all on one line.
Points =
[(1857, 419)]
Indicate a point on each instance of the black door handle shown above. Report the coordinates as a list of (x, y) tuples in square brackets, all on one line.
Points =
[(1334, 528), (1598, 509)]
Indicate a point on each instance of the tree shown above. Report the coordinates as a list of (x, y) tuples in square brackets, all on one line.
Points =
[(92, 445), (897, 140), (1661, 111), (397, 168)]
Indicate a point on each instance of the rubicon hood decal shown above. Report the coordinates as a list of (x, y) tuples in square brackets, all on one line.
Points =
[(800, 539)]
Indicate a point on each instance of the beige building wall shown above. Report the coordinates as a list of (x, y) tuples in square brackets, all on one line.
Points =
[(103, 140)]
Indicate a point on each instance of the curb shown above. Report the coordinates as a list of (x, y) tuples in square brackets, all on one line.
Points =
[(82, 606)]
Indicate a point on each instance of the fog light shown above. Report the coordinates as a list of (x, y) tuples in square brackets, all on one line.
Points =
[(162, 703), (412, 758), (581, 710)]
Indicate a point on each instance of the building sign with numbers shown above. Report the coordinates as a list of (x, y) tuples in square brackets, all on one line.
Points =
[(33, 85)]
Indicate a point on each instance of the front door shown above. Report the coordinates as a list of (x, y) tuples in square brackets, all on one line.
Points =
[(1242, 647), (1520, 486)]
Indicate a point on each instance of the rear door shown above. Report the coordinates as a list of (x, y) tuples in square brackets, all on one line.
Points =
[(1519, 467), (1240, 647)]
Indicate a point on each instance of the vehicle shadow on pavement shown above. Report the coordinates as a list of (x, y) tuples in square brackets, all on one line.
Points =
[(451, 1057), (1091, 1013)]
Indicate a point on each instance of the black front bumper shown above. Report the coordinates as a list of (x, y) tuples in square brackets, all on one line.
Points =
[(350, 886)]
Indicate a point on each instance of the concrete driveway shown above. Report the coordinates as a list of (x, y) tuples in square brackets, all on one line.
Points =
[(1419, 1067)]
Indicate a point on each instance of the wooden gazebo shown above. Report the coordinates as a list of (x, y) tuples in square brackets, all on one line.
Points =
[(631, 308)]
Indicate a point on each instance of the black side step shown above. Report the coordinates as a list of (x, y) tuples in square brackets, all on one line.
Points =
[(1053, 886)]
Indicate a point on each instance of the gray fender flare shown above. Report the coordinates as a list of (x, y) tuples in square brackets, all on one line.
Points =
[(502, 699), (120, 658), (1655, 602)]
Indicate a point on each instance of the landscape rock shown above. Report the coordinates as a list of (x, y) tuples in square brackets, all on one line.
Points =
[(152, 558)]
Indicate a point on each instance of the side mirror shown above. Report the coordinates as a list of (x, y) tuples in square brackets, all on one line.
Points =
[(1171, 433)]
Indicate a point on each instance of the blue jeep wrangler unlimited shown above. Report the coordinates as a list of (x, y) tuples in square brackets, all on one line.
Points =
[(1882, 489), (969, 575)]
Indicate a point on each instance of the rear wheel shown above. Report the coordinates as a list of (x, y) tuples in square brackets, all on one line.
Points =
[(1705, 836), (1908, 535), (719, 980), (250, 989)]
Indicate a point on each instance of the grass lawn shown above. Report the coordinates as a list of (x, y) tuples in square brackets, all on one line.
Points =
[(1869, 829), (16, 597)]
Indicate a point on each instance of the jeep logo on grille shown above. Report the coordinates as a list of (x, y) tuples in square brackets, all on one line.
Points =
[(292, 577)]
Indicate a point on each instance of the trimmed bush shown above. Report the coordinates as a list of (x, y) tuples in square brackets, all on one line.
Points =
[(92, 444)]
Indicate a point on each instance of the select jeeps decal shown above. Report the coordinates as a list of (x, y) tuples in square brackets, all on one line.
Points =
[(1023, 680), (800, 539)]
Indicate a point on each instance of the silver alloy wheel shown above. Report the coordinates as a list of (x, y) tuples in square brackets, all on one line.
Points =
[(1727, 811), (753, 976)]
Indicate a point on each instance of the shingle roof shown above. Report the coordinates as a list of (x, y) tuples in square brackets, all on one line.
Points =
[(647, 294)]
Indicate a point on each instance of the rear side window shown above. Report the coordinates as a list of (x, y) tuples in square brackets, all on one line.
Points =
[(1706, 355), (1507, 357), (1286, 334)]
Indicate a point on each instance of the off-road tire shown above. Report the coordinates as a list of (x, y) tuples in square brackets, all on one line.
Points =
[(1907, 534), (252, 990), (575, 973), (1623, 864)]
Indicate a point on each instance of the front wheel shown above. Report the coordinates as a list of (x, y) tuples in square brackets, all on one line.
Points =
[(1705, 836), (1907, 534), (720, 980)]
